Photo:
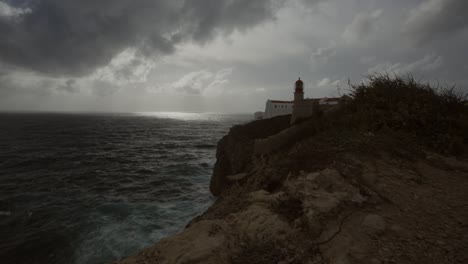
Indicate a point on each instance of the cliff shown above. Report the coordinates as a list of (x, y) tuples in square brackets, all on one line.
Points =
[(355, 184), (234, 151)]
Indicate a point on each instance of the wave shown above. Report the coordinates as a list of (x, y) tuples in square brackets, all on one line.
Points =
[(104, 186), (205, 146)]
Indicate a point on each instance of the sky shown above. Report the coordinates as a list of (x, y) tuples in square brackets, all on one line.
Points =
[(218, 55)]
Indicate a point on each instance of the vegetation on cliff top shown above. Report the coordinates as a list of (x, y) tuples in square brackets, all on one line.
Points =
[(436, 117)]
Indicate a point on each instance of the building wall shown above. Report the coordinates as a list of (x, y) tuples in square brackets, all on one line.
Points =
[(327, 101), (302, 109), (273, 108), (277, 141)]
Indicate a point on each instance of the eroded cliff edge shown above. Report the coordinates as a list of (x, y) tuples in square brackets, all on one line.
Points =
[(345, 186), (235, 150)]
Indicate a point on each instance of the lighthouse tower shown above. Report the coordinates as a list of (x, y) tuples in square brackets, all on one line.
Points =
[(302, 108), (299, 90)]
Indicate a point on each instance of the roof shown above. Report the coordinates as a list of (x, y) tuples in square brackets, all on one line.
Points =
[(281, 102)]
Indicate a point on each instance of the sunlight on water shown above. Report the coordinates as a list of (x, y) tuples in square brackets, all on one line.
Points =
[(185, 116)]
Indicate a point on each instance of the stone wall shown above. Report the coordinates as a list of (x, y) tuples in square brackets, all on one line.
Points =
[(303, 109)]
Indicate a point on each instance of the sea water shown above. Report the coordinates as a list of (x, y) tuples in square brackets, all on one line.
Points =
[(93, 188)]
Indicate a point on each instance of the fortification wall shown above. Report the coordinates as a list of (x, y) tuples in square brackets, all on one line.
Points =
[(303, 109)]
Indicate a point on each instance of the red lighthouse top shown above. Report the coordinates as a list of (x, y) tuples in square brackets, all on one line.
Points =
[(299, 86)]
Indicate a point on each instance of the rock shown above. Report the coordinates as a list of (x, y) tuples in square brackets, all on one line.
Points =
[(235, 151), (197, 244), (258, 221), (341, 260), (330, 180), (237, 177), (374, 224), (323, 191), (323, 201), (264, 197), (400, 231), (313, 224), (369, 177)]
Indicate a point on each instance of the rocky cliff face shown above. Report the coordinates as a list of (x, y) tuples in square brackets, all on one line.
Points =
[(235, 150), (298, 195)]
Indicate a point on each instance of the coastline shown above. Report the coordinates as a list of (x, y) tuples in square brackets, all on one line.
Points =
[(276, 206)]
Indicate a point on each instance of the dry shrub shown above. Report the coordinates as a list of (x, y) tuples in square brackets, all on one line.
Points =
[(436, 117)]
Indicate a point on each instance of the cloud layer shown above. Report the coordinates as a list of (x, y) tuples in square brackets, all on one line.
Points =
[(437, 18), (69, 37), (217, 55)]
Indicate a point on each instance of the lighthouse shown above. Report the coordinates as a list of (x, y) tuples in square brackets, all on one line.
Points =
[(302, 108), (299, 90)]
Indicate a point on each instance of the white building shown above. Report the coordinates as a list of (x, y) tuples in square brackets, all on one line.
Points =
[(276, 108), (299, 108), (329, 101)]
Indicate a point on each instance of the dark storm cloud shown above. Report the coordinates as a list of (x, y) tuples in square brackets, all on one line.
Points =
[(437, 18), (69, 37)]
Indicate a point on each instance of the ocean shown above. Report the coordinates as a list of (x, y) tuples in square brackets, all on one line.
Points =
[(93, 188)]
